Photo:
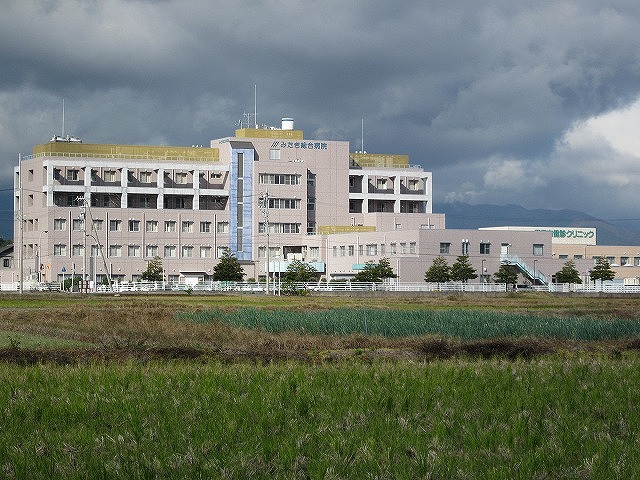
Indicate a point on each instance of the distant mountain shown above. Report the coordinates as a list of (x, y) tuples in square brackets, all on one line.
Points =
[(465, 216)]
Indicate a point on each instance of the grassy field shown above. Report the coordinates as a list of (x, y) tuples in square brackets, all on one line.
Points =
[(452, 419), (176, 387)]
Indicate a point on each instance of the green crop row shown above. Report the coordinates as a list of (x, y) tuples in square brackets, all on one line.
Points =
[(570, 418), (458, 323)]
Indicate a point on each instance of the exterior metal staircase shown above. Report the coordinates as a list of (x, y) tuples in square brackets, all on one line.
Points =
[(536, 276)]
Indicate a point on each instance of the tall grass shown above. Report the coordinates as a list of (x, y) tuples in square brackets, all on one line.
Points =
[(465, 324), (574, 418)]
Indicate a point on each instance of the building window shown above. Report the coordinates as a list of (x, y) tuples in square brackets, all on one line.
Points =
[(220, 250), (134, 225), (279, 179), (262, 252), (284, 203), (343, 250), (205, 251), (77, 224), (624, 261), (187, 251), (134, 250), (403, 248), (413, 184), (187, 227), (59, 224), (115, 250), (412, 247), (360, 250), (279, 227), (372, 249), (352, 250), (77, 250), (59, 250), (109, 176), (97, 225), (314, 252), (222, 227), (145, 177), (72, 175), (181, 178), (611, 260), (151, 251), (274, 154), (170, 226), (381, 183), (393, 248), (169, 251), (538, 249), (577, 257), (115, 225), (485, 248), (445, 247), (152, 226), (465, 248), (335, 251), (205, 227), (382, 249), (311, 204), (311, 227), (636, 261), (563, 256), (6, 262)]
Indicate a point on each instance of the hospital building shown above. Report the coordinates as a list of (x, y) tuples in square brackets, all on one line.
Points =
[(269, 194)]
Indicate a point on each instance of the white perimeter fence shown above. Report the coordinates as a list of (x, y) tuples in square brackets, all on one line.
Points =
[(276, 289)]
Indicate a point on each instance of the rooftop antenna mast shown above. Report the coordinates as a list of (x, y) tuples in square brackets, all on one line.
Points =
[(255, 105), (362, 136)]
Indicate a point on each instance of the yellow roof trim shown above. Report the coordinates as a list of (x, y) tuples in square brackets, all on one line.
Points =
[(269, 133), (330, 229), (68, 149), (379, 160)]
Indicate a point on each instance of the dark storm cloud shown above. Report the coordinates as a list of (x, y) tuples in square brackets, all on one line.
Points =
[(477, 92)]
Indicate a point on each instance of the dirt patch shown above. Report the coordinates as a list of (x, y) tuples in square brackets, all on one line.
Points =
[(428, 349)]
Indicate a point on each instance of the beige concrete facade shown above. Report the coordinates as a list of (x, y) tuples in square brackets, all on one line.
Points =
[(186, 205), (269, 195), (624, 260)]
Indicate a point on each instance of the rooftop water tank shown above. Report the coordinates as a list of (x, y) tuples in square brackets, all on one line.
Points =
[(287, 124)]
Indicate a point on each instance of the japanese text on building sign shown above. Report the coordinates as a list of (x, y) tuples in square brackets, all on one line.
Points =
[(569, 233), (573, 233), (303, 145)]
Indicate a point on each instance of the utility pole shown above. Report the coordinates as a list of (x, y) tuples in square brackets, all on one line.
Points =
[(83, 217), (100, 249), (263, 202), (21, 220)]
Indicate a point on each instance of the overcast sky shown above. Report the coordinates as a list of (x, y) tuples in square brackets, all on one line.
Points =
[(529, 102)]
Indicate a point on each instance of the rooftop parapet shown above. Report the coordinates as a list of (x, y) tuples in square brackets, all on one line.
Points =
[(65, 149), (274, 133), (378, 160), (330, 229)]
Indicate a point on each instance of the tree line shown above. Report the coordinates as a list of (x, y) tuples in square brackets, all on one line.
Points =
[(229, 268)]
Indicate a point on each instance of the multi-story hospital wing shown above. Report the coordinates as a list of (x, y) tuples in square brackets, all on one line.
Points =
[(263, 193)]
